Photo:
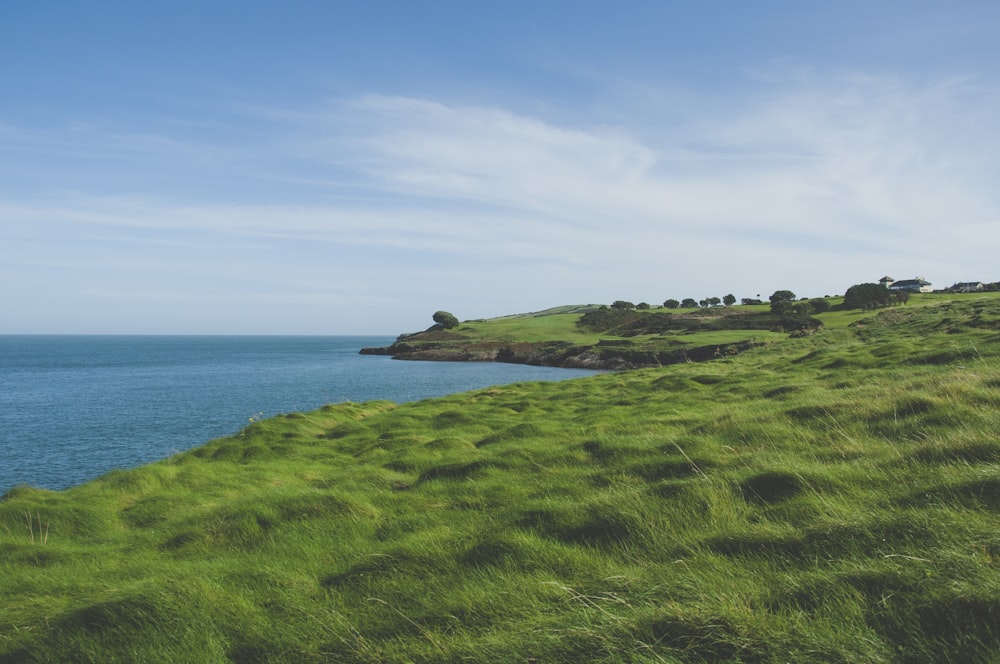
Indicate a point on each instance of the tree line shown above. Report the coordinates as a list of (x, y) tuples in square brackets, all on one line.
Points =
[(860, 296), (782, 301)]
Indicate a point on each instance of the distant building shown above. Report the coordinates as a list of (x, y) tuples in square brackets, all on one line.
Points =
[(967, 287), (918, 285)]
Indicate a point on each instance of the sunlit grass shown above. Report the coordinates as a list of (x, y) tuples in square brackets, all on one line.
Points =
[(539, 328), (828, 498)]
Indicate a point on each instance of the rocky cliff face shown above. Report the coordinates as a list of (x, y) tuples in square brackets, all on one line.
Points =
[(615, 357), (637, 340)]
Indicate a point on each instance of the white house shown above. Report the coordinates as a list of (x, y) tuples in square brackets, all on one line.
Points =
[(967, 287)]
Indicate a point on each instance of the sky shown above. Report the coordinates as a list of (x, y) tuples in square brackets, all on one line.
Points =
[(341, 167)]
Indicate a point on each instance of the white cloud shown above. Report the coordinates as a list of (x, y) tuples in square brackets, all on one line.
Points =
[(812, 183), (866, 158)]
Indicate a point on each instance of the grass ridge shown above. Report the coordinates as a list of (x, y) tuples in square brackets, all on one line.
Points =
[(828, 498)]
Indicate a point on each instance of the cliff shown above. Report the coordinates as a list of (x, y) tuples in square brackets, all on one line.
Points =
[(606, 355), (601, 338)]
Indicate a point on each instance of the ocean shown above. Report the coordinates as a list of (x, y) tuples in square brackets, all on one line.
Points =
[(75, 407)]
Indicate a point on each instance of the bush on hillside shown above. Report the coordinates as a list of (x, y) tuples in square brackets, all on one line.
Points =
[(630, 324), (782, 302), (445, 319), (604, 319), (867, 296), (819, 305)]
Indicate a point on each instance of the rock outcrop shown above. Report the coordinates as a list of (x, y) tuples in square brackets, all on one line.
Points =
[(615, 356)]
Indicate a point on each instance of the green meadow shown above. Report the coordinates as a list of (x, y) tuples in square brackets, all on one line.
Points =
[(827, 497), (596, 337)]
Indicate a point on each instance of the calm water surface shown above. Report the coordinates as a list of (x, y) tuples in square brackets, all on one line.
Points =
[(75, 407)]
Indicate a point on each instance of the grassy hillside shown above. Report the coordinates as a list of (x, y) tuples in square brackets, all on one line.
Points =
[(828, 498), (603, 338)]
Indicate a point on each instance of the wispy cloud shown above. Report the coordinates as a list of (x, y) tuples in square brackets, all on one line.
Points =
[(867, 158), (813, 181)]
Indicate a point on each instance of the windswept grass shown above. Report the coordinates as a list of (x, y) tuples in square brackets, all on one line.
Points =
[(592, 336), (832, 498), (530, 328)]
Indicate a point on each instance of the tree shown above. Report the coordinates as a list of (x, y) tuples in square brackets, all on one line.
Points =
[(867, 296), (671, 304), (750, 300), (622, 304), (729, 300), (445, 319), (781, 301), (642, 306), (713, 301), (819, 305), (689, 303), (782, 296)]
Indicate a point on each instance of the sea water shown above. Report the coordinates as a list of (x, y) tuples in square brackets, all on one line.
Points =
[(75, 407)]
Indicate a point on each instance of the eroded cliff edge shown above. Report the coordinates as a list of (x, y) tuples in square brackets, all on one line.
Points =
[(610, 355), (634, 340)]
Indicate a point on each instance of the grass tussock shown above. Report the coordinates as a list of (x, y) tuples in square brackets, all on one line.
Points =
[(829, 498)]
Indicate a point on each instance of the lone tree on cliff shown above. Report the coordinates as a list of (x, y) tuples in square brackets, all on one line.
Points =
[(445, 319)]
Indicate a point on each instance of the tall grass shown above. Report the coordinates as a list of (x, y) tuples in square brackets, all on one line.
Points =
[(829, 498)]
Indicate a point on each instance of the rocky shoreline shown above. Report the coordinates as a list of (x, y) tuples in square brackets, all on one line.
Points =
[(612, 356)]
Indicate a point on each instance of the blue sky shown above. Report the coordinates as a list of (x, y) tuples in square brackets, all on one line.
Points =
[(347, 167)]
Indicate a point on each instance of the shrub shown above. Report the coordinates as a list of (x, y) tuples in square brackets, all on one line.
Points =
[(445, 319), (781, 301), (867, 296), (604, 319), (819, 305)]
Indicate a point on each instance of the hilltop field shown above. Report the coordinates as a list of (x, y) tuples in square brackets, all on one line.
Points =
[(814, 493), (594, 337)]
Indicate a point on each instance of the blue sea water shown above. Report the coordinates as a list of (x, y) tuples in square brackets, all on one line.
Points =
[(75, 407)]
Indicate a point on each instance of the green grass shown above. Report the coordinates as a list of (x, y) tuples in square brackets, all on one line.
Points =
[(530, 328), (617, 344), (560, 324), (830, 498)]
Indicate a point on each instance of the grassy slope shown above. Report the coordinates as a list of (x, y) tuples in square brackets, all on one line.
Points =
[(610, 344), (560, 324), (530, 328), (830, 498)]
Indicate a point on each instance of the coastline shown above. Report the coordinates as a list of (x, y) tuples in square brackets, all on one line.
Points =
[(603, 356)]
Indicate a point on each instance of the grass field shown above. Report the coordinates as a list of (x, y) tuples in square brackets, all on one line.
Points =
[(829, 498), (614, 340), (531, 328)]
